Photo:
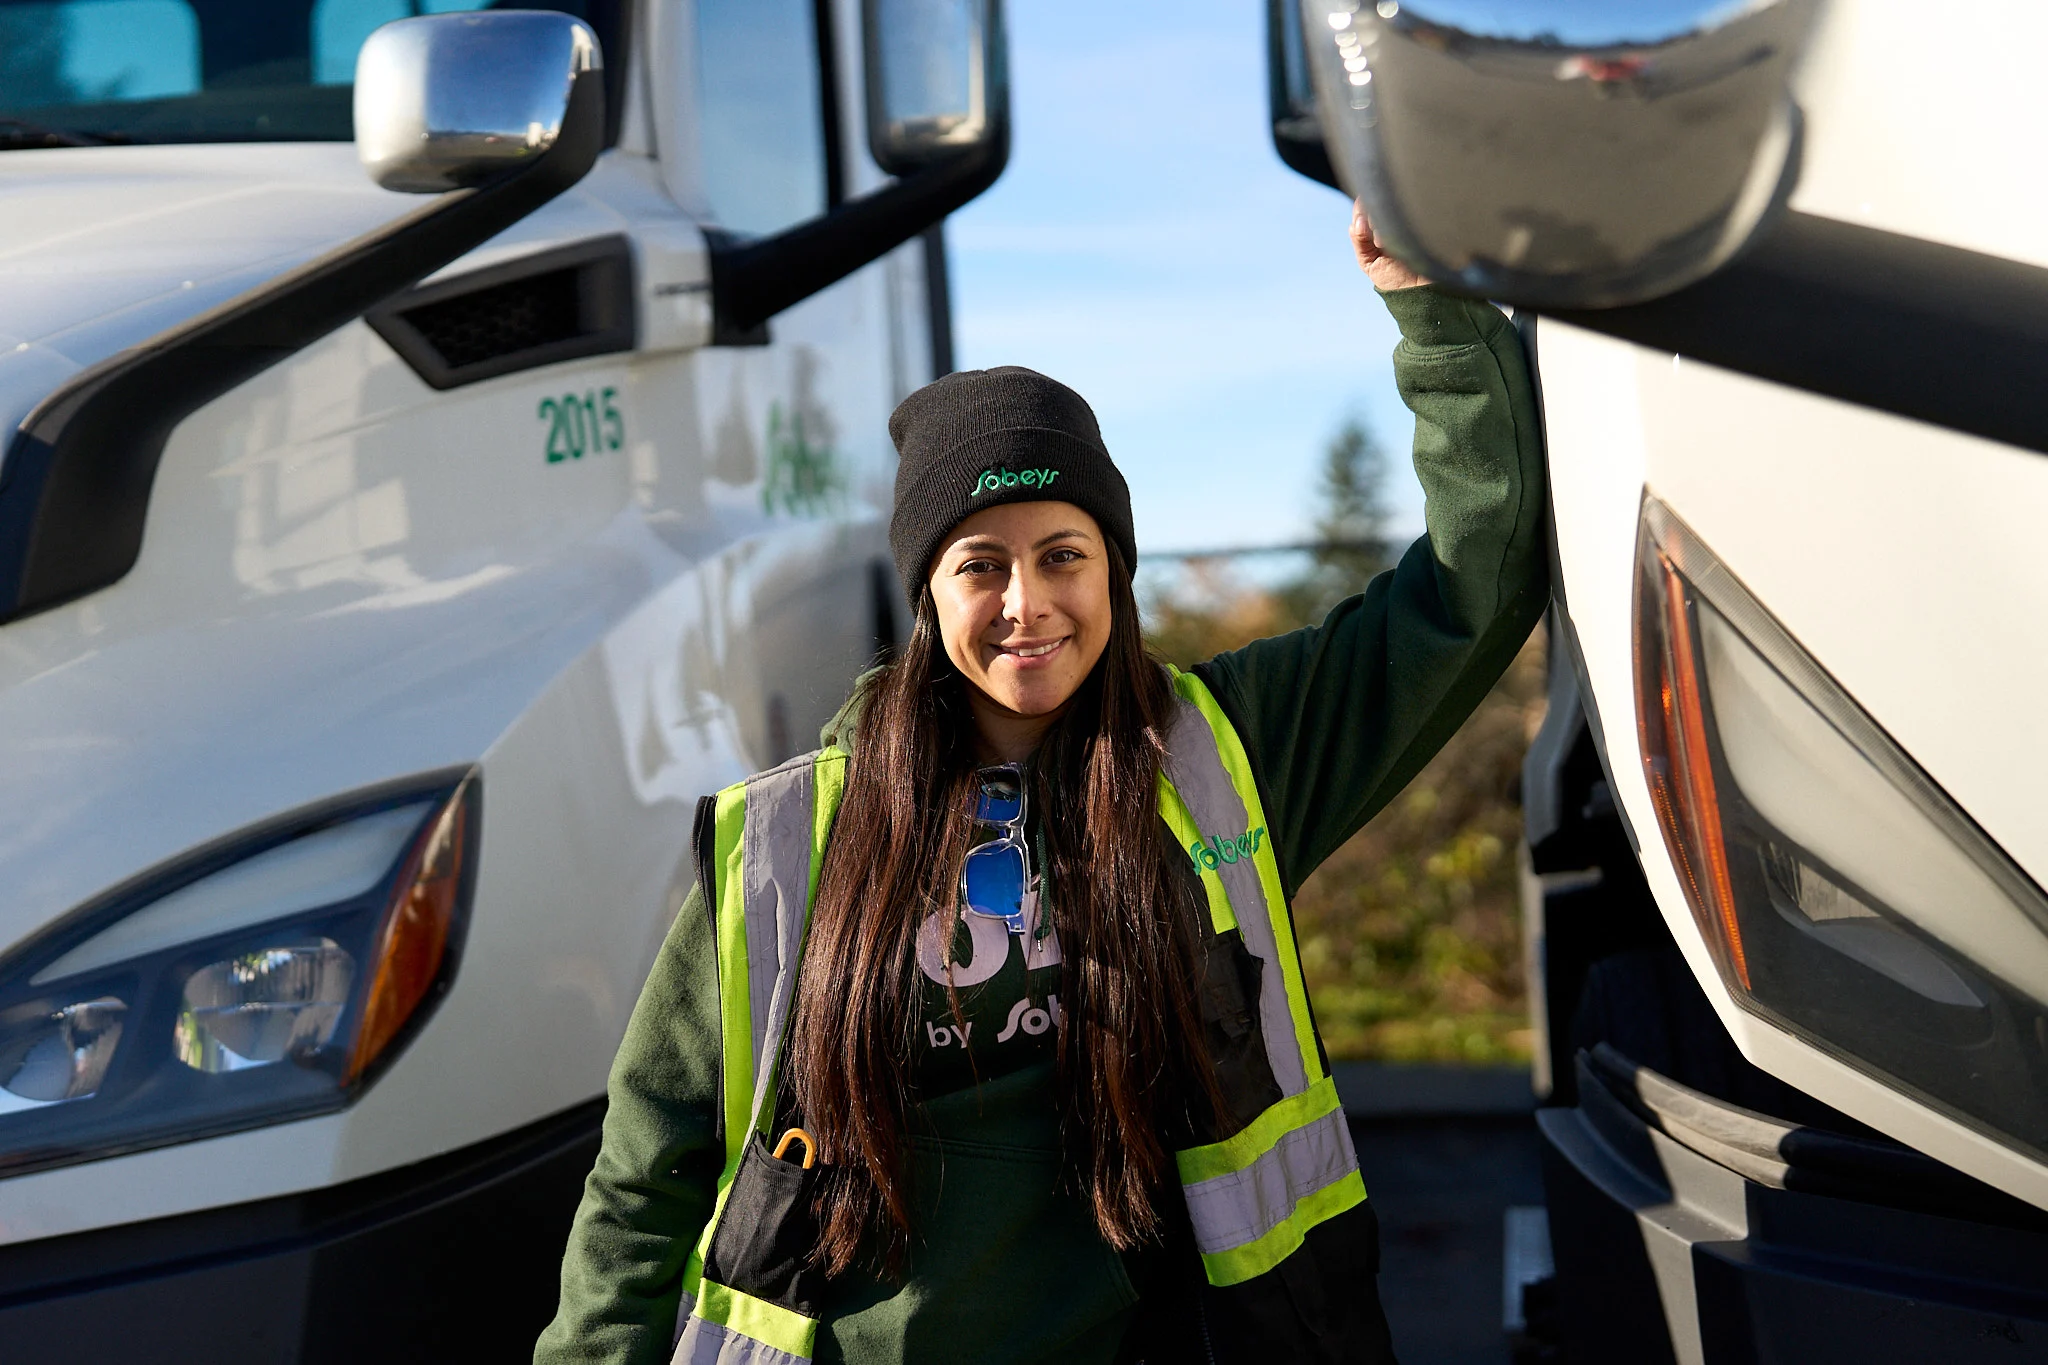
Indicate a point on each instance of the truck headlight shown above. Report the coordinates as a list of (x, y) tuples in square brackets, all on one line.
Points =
[(1843, 894), (263, 980)]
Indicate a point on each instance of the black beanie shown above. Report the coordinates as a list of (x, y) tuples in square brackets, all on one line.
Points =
[(981, 438)]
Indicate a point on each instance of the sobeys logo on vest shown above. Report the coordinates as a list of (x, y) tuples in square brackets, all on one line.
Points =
[(1212, 853), (993, 479)]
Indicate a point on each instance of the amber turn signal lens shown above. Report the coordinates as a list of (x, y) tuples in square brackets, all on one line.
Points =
[(412, 945), (1671, 719)]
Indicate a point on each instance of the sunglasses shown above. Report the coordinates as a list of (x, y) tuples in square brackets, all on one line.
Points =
[(995, 879)]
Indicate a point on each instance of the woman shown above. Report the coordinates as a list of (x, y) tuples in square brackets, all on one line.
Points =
[(1042, 1027)]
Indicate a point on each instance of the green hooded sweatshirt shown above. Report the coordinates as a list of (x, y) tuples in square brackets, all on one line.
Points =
[(1336, 718)]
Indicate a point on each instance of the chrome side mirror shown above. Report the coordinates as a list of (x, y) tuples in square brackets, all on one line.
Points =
[(1561, 153), (936, 83), (448, 101)]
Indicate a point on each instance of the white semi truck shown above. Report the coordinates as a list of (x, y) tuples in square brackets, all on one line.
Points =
[(383, 578), (1783, 274)]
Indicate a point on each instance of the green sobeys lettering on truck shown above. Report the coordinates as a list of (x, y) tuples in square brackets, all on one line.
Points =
[(1218, 849), (993, 479)]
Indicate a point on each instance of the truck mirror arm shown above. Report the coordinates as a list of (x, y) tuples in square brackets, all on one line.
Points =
[(753, 279), (76, 479)]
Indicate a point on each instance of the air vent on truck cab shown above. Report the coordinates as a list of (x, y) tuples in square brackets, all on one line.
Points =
[(541, 309)]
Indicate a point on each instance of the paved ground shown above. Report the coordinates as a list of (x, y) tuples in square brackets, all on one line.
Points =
[(1445, 1153)]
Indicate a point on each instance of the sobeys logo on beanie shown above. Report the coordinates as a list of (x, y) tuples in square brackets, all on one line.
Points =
[(993, 479)]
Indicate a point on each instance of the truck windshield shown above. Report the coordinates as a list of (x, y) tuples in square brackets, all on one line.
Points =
[(80, 72)]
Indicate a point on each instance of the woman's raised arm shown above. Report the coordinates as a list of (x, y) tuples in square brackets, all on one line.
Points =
[(1338, 717)]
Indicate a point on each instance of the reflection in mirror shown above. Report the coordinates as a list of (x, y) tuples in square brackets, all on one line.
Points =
[(448, 101), (1561, 153), (930, 72)]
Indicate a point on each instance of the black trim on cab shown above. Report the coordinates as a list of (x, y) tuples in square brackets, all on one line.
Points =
[(831, 129), (75, 484), (1896, 323), (542, 309), (938, 299), (455, 1258), (754, 279)]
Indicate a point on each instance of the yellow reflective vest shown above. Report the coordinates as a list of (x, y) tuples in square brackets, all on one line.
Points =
[(1262, 1201)]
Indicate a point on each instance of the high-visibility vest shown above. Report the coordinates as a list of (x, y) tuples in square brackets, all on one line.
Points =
[(1251, 1197)]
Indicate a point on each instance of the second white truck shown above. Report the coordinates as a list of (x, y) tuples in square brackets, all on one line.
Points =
[(1782, 270)]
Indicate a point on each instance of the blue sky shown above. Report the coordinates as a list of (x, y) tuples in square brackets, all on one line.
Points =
[(1146, 246)]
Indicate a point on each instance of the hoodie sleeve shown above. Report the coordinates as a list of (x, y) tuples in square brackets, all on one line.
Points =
[(1338, 717), (648, 1197)]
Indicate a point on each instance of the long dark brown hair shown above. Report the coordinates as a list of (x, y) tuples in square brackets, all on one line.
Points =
[(1130, 1034)]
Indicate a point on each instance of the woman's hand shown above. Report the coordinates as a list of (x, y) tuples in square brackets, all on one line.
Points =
[(1386, 273)]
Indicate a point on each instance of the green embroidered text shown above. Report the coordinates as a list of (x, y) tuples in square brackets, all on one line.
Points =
[(1217, 850), (993, 479)]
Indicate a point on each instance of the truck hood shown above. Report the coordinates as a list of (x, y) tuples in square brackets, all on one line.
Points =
[(102, 247)]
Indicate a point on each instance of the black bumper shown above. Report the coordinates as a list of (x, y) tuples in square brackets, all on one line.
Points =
[(1665, 1253), (452, 1259)]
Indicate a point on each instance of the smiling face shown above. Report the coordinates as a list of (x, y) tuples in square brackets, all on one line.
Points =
[(1022, 592)]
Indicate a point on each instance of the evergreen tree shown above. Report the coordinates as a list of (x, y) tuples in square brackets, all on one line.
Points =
[(1350, 525)]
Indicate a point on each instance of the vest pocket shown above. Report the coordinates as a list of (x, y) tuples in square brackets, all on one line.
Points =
[(1229, 1001), (765, 1235)]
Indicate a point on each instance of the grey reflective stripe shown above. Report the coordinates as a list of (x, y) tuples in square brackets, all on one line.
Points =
[(1232, 1210), (775, 887), (775, 864), (706, 1343), (1195, 769)]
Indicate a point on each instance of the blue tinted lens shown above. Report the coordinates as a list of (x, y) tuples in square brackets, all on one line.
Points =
[(992, 883), (1001, 799)]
